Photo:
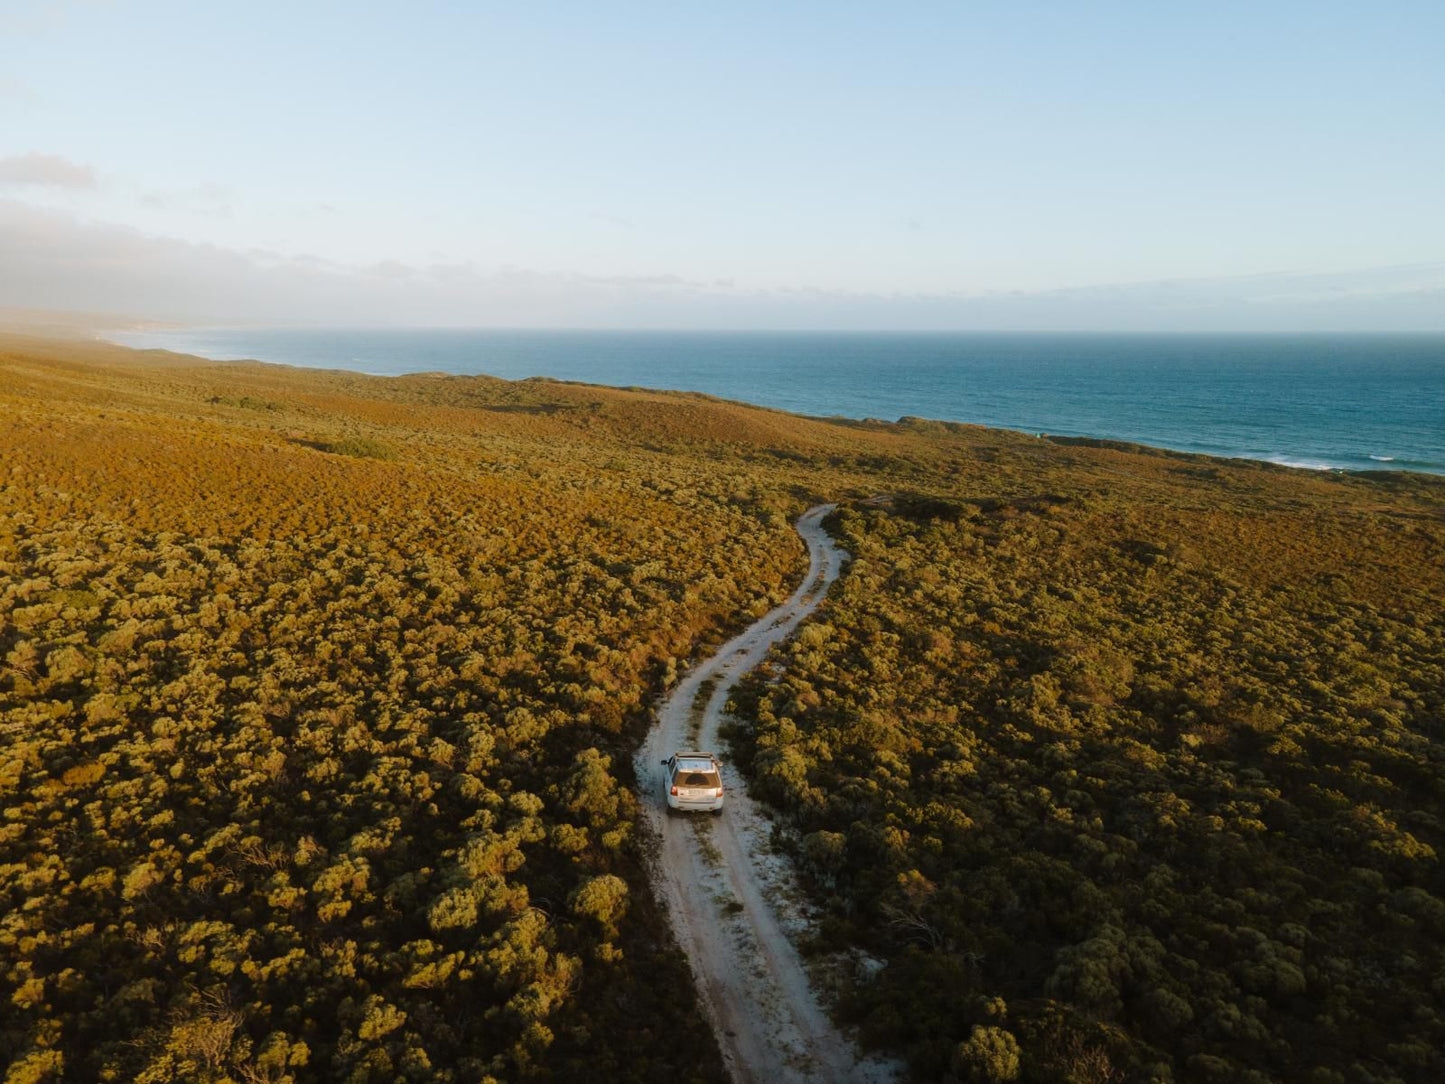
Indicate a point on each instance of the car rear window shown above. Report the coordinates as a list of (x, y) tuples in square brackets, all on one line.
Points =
[(694, 764), (697, 779)]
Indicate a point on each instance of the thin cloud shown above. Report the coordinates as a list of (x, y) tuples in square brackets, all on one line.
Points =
[(209, 200), (45, 171), (389, 269), (613, 220), (35, 18), (14, 90), (54, 260)]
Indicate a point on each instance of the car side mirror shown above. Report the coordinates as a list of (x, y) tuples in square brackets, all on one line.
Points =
[(663, 763)]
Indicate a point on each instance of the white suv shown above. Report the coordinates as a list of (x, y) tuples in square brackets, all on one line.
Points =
[(692, 781)]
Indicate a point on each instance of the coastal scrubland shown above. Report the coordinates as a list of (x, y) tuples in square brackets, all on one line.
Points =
[(1135, 783), (318, 694)]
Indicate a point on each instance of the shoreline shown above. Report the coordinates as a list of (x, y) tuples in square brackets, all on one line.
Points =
[(1322, 463)]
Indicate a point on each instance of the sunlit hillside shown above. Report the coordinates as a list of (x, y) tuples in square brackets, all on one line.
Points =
[(318, 694)]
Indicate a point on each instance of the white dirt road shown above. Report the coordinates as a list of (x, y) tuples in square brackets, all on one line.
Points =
[(732, 901)]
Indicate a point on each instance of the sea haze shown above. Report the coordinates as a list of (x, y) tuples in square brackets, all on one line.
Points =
[(1353, 402)]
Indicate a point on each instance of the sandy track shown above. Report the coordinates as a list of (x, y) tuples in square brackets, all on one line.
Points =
[(722, 883)]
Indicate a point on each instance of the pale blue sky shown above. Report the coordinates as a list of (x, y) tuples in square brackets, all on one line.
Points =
[(869, 149)]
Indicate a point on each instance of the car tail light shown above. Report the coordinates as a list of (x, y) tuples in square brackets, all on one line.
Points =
[(719, 792), (674, 792)]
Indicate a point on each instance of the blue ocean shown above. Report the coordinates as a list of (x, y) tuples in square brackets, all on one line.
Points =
[(1343, 402)]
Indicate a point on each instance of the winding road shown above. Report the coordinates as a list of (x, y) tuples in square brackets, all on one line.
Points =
[(731, 899)]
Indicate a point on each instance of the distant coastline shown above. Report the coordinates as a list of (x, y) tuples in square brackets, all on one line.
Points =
[(1364, 402)]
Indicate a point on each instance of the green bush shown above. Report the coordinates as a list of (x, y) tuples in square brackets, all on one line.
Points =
[(360, 448)]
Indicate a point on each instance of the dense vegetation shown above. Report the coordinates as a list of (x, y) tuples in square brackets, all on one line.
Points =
[(310, 763), (1121, 788), (318, 694)]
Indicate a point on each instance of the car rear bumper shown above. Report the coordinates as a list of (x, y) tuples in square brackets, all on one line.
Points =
[(694, 805)]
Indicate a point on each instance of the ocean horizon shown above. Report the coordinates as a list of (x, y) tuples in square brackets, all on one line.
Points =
[(1321, 401)]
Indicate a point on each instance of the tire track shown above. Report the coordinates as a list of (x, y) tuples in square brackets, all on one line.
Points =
[(720, 881)]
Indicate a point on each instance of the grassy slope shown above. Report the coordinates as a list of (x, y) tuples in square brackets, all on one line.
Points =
[(317, 690)]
